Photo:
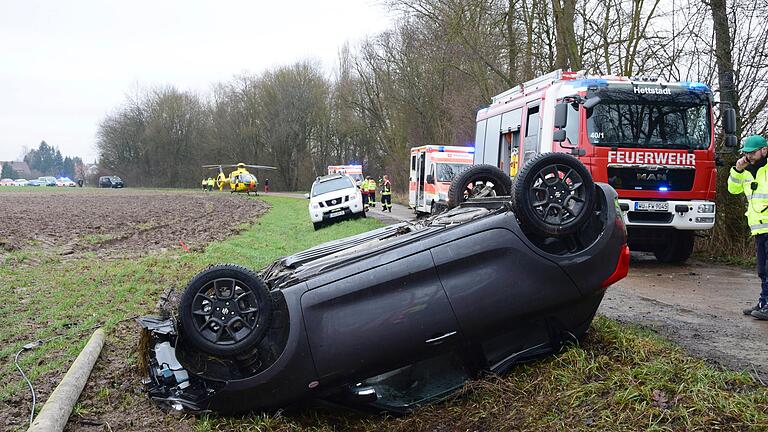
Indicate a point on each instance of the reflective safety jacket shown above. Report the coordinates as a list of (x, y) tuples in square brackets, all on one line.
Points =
[(755, 187), (386, 188), (372, 186), (364, 187), (210, 181)]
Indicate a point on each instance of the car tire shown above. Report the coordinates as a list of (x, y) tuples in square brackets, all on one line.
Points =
[(554, 194), (318, 225), (478, 181), (678, 248), (241, 298)]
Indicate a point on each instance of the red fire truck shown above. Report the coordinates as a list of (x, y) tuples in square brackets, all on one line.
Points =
[(653, 141)]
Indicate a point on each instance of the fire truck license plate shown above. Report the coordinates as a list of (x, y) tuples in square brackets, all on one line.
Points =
[(338, 213), (652, 206)]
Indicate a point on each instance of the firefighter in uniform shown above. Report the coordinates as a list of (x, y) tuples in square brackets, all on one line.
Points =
[(386, 195), (364, 192), (371, 192), (750, 177)]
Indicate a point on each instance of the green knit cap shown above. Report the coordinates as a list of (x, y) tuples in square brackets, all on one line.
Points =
[(752, 143)]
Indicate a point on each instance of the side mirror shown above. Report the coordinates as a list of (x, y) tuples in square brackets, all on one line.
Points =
[(306, 195), (729, 121), (561, 115), (731, 141), (592, 102), (558, 135), (430, 179)]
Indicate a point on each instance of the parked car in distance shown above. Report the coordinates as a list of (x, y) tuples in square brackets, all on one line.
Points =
[(47, 181), (7, 182), (111, 182), (20, 182), (65, 182), (334, 197), (37, 182)]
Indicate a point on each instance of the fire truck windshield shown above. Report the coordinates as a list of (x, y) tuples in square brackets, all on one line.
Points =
[(446, 172), (673, 120)]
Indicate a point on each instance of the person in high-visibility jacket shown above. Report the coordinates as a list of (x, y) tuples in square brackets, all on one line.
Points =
[(364, 192), (371, 192), (210, 183), (750, 177), (386, 194), (204, 184)]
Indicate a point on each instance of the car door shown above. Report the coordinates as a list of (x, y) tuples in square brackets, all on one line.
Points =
[(388, 316), (493, 281)]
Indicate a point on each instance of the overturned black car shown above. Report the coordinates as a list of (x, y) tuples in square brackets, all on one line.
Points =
[(405, 314)]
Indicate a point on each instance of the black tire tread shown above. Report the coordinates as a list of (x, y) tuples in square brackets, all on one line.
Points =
[(502, 181)]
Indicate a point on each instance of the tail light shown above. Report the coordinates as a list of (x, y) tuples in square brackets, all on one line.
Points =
[(622, 268)]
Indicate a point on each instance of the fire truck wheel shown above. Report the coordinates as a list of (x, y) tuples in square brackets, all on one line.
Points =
[(478, 181), (554, 194), (677, 249), (225, 310)]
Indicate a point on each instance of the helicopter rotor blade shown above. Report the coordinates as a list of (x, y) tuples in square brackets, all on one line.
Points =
[(264, 167)]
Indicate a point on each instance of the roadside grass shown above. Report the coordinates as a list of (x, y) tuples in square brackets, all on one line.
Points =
[(65, 299), (621, 378)]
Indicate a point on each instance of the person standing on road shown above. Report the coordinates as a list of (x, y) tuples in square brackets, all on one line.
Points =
[(364, 192), (371, 192), (386, 194), (750, 177)]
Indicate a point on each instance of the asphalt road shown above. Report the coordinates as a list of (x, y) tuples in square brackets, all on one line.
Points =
[(698, 305)]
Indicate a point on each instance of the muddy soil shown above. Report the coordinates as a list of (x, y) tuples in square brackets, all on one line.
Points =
[(698, 306), (117, 222)]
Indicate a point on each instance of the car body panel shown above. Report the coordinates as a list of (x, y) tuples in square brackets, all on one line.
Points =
[(400, 304)]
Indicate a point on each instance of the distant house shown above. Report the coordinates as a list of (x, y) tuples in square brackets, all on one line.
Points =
[(20, 167)]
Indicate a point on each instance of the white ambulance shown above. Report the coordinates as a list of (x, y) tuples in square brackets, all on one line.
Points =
[(354, 171), (433, 167)]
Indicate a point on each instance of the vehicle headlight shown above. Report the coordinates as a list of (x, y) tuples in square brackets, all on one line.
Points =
[(706, 208), (315, 205)]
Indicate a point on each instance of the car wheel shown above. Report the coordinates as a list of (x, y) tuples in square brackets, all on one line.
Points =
[(554, 194), (225, 310), (318, 225), (479, 181)]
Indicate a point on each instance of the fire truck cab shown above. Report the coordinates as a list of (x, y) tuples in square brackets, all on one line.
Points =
[(433, 167), (354, 171), (653, 141)]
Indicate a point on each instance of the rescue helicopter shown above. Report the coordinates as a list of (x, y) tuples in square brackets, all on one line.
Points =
[(239, 180)]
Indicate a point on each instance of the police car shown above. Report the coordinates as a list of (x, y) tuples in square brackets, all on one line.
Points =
[(334, 197)]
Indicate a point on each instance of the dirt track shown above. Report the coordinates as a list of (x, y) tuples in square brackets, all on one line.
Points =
[(117, 222), (697, 306)]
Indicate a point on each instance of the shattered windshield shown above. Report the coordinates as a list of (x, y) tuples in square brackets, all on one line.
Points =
[(675, 121), (446, 172)]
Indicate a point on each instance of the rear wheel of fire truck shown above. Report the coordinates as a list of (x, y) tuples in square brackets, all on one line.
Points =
[(225, 310), (554, 194), (678, 248), (479, 181)]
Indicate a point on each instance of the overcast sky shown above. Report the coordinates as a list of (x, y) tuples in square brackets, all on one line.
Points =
[(64, 65)]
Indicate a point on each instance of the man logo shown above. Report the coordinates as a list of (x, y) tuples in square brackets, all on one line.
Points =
[(651, 177)]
